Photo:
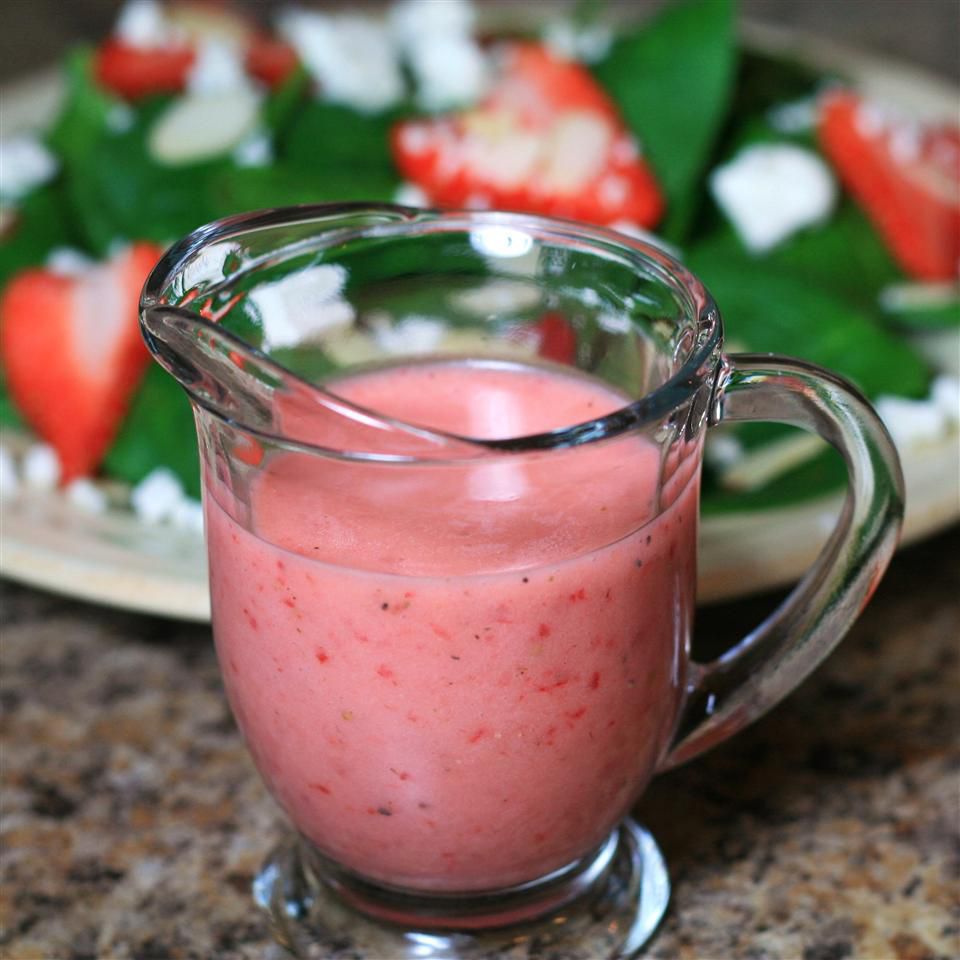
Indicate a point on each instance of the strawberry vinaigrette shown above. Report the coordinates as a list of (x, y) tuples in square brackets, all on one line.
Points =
[(459, 676)]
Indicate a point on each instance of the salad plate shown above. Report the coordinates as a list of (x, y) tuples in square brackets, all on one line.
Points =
[(115, 557)]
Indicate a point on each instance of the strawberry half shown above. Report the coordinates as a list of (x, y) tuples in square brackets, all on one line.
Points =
[(904, 174), (137, 72), (270, 61), (73, 355), (547, 139)]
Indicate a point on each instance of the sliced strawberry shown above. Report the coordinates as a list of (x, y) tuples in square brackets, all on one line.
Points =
[(270, 61), (134, 71), (73, 354), (547, 139), (905, 175), (137, 72), (558, 339)]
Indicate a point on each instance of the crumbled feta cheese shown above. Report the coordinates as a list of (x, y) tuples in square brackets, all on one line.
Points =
[(497, 297), (85, 495), (209, 265), (188, 515), (615, 322), (9, 480), (771, 190), (449, 71), (217, 68), (911, 421), (945, 393), (255, 151), (410, 195), (501, 242), (414, 334), (120, 118), (41, 467), (411, 20), (722, 450), (573, 42), (449, 66), (154, 499), (303, 305), (798, 116), (25, 163), (143, 23), (68, 262), (351, 57)]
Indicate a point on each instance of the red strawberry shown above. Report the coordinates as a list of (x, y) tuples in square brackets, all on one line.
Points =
[(73, 355), (546, 140), (270, 61), (137, 72), (558, 339), (905, 175), (134, 71)]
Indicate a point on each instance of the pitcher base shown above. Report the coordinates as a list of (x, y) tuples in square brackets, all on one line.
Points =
[(607, 907)]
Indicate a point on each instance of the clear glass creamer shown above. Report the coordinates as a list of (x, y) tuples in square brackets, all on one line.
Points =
[(451, 472)]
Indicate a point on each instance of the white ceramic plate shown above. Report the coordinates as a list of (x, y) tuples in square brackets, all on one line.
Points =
[(115, 559)]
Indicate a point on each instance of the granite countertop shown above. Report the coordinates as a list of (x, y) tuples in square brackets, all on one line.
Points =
[(133, 819)]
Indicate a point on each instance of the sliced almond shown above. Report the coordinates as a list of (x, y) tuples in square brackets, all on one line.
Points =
[(196, 127), (200, 22), (770, 461)]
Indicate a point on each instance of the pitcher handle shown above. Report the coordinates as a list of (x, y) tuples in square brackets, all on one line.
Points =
[(730, 692)]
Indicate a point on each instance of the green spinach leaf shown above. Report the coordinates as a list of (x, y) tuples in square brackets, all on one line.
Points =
[(157, 432), (672, 79)]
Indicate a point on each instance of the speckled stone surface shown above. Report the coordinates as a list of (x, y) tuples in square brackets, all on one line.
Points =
[(133, 821)]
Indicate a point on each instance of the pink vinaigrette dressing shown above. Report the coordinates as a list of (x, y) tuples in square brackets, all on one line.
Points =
[(458, 677)]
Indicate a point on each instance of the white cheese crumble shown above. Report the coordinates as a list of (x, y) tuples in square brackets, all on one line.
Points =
[(255, 151), (143, 23), (945, 394), (209, 265), (497, 298), (69, 262), (25, 163), (188, 515), (154, 499), (589, 44), (217, 68), (436, 38), (303, 305), (86, 496), (797, 116), (414, 334), (449, 72), (723, 450), (351, 57), (120, 118), (771, 190), (410, 195), (410, 20), (911, 421), (41, 467), (9, 480)]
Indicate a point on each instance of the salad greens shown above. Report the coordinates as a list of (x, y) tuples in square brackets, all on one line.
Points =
[(687, 92), (672, 79)]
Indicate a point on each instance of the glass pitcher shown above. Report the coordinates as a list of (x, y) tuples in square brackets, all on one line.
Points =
[(451, 470)]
